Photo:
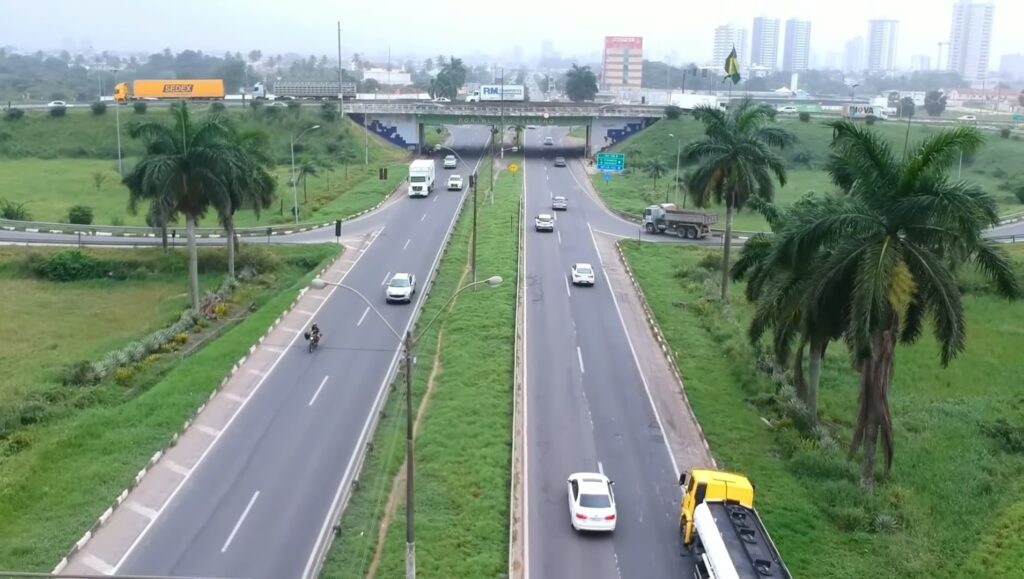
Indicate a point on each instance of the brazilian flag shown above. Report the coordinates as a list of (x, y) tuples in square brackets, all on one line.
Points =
[(732, 67)]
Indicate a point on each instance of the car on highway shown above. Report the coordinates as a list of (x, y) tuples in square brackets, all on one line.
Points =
[(548, 142), (544, 222), (455, 183), (788, 109), (559, 203), (450, 162), (591, 502), (559, 161), (582, 274), (401, 288), (967, 118), (58, 104)]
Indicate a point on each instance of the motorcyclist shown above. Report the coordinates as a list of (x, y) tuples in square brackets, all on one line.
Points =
[(315, 334)]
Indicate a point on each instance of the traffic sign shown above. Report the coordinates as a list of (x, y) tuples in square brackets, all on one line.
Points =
[(1018, 118), (615, 162), (513, 167), (607, 177)]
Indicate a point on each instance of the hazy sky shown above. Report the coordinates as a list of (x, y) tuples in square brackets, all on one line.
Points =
[(669, 27)]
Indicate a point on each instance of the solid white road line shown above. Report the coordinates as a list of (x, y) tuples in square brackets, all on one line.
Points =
[(424, 217), (567, 289), (280, 356), (599, 258), (363, 317), (600, 467), (406, 246), (579, 355), (559, 233), (526, 403), (387, 276), (318, 389), (241, 520)]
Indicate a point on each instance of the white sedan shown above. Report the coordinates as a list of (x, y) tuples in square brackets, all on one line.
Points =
[(582, 274), (455, 183), (58, 104), (591, 502), (401, 288), (450, 162)]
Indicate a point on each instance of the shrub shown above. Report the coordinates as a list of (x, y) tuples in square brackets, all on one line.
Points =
[(140, 108), (332, 147), (1004, 132), (58, 112), (300, 147), (805, 117), (70, 265), (14, 211), (329, 112), (217, 107), (117, 221), (885, 524), (710, 261), (81, 374), (80, 215), (294, 106), (804, 158), (672, 112), (14, 114), (220, 310), (98, 108), (1019, 193), (1008, 435), (871, 119), (181, 338), (123, 376), (18, 441)]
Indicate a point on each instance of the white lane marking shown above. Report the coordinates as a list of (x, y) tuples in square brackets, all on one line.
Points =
[(599, 258), (407, 242), (326, 528), (241, 520), (526, 406), (600, 467), (579, 356), (559, 233), (318, 389), (435, 199), (636, 361), (424, 217), (98, 564), (363, 317), (280, 356), (387, 276), (568, 290), (597, 199)]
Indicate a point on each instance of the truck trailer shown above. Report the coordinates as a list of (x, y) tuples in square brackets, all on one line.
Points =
[(667, 218), (421, 178), (498, 93), (207, 89), (304, 89), (722, 530)]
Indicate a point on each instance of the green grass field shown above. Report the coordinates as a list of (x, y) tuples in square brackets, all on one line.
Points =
[(70, 450), (50, 165), (955, 492), (995, 168), (463, 450)]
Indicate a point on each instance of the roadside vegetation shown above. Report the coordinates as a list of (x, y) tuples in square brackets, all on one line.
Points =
[(110, 369), (994, 167), (463, 392)]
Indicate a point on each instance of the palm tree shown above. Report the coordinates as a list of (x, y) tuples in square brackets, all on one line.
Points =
[(184, 168), (886, 252), (632, 153), (307, 167), (736, 162), (655, 169), (580, 84), (251, 185)]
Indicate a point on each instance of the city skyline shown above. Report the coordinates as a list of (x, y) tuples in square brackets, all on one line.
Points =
[(797, 54), (970, 39), (764, 43)]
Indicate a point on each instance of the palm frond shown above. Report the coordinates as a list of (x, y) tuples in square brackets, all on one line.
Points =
[(939, 291)]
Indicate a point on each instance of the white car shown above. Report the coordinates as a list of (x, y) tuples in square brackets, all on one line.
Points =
[(582, 274), (967, 118), (450, 162), (787, 109), (545, 222), (548, 142), (57, 104), (591, 502), (455, 183), (559, 203), (401, 288)]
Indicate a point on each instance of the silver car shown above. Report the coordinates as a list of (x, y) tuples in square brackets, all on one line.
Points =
[(559, 203), (545, 222), (401, 288)]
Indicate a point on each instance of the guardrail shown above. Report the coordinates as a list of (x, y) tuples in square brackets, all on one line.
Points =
[(508, 109)]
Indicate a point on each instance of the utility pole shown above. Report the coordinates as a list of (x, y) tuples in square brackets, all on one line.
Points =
[(474, 179), (341, 92), (410, 529)]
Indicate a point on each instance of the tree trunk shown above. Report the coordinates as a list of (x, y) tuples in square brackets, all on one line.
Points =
[(799, 382), (163, 237), (305, 198), (727, 250), (229, 227), (193, 261), (874, 419), (814, 372)]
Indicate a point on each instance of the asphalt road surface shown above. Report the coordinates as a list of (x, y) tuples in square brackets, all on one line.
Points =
[(587, 408), (256, 506)]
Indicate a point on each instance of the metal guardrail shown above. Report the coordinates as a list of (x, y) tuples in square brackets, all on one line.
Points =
[(526, 109)]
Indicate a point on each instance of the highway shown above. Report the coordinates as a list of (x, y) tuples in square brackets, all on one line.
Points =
[(586, 403), (255, 506)]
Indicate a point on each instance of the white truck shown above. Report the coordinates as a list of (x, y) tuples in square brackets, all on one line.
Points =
[(304, 89), (854, 112), (498, 93), (421, 177), (692, 101)]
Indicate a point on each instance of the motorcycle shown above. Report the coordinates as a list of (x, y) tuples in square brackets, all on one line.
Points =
[(313, 339)]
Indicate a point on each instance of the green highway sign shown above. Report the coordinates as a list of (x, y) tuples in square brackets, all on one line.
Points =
[(614, 162), (1018, 118)]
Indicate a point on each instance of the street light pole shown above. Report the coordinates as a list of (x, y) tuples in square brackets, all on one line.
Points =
[(295, 190), (117, 121), (408, 343)]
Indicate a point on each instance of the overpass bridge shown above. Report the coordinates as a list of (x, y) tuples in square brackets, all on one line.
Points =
[(402, 123)]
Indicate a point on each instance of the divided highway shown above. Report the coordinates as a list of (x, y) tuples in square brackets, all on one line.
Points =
[(587, 407), (256, 505)]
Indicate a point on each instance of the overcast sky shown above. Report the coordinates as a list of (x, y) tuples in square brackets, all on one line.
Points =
[(669, 27)]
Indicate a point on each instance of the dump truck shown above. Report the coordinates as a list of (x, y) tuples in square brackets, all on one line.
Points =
[(304, 89), (667, 218), (725, 535), (206, 89)]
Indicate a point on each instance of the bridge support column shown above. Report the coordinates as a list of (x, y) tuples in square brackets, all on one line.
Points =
[(586, 147), (420, 136)]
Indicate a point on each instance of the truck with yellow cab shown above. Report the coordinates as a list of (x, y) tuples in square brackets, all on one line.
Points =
[(723, 532), (206, 89)]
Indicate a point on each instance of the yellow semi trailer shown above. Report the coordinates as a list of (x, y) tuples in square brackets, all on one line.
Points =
[(208, 89)]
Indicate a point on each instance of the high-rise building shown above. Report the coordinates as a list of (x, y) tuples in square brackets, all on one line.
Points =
[(726, 38), (797, 56), (853, 57), (764, 43), (920, 62), (1011, 66), (970, 39), (882, 45), (623, 62)]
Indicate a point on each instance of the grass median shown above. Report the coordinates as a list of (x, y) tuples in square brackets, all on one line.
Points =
[(83, 444), (463, 390), (952, 505)]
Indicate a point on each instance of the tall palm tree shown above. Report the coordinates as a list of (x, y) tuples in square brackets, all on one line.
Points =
[(886, 252), (184, 168), (633, 154), (655, 168), (580, 83), (307, 167), (251, 185), (736, 161)]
